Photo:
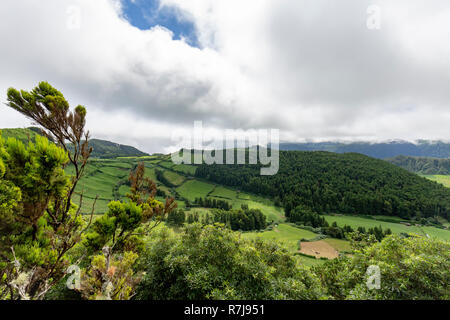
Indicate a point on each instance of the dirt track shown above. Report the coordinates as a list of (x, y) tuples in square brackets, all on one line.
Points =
[(319, 249)]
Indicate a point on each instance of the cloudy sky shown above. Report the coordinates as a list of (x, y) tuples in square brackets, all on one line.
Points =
[(315, 69)]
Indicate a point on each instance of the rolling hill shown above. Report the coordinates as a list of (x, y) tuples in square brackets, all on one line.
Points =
[(422, 165), (102, 148), (22, 134), (341, 183), (382, 150), (107, 178)]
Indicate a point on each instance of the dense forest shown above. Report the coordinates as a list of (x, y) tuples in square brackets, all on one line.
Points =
[(422, 165), (343, 183)]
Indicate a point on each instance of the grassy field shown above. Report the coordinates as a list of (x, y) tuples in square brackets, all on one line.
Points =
[(308, 261), (105, 178), (445, 180), (237, 199), (285, 233), (355, 222), (272, 213), (144, 158), (225, 193), (291, 236), (166, 164), (339, 244), (101, 176), (150, 173), (101, 206), (192, 189)]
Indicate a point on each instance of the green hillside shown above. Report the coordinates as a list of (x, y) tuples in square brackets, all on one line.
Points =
[(381, 150), (107, 149), (401, 227), (107, 178), (22, 134), (338, 183), (101, 148)]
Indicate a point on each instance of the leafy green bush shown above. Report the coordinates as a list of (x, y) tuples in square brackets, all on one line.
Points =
[(212, 262)]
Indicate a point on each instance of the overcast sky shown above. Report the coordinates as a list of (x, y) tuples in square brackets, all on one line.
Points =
[(311, 68)]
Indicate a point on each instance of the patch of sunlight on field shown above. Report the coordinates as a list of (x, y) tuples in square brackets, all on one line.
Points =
[(442, 179)]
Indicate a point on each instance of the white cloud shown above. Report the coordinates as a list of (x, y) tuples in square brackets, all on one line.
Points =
[(312, 69)]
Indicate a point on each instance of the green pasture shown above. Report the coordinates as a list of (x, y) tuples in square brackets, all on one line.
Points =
[(355, 222), (166, 164)]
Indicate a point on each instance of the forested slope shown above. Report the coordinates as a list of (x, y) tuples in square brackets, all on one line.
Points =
[(422, 165), (343, 183), (101, 148)]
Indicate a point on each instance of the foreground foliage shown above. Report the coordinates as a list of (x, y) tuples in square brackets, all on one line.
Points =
[(212, 262), (410, 268)]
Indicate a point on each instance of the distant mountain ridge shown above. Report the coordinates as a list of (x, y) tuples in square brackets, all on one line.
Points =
[(380, 150), (101, 148)]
